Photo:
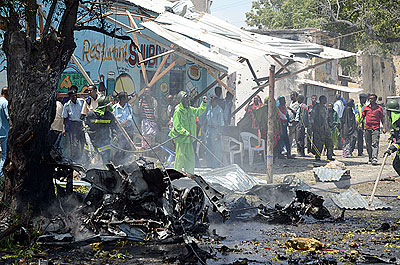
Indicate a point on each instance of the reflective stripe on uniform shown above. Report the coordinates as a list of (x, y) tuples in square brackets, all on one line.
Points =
[(100, 121), (104, 148)]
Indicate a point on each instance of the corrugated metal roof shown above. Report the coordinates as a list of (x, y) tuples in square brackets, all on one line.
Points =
[(329, 174), (157, 6), (330, 86), (194, 32), (352, 200), (203, 53)]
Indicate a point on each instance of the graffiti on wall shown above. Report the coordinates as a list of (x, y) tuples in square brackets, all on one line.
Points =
[(69, 79), (94, 51)]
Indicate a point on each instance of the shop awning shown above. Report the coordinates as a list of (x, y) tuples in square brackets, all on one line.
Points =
[(330, 86)]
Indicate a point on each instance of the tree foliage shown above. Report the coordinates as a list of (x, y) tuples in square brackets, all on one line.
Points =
[(371, 21), (283, 14)]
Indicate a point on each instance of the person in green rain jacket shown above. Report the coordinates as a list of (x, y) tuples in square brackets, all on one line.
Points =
[(184, 125)]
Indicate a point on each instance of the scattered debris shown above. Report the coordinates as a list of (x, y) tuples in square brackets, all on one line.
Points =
[(304, 205), (300, 243), (135, 203), (335, 172), (352, 200)]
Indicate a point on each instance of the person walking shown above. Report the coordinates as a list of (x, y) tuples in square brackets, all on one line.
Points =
[(72, 124), (184, 125), (310, 149), (321, 131), (4, 126), (338, 106), (292, 110), (349, 129), (360, 130), (334, 124), (284, 119), (215, 121), (373, 116), (302, 122)]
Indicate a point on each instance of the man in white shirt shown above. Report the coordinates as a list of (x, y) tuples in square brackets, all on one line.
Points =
[(90, 102), (72, 125), (338, 106), (57, 126)]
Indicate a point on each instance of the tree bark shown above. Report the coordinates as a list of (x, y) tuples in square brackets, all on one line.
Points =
[(33, 71)]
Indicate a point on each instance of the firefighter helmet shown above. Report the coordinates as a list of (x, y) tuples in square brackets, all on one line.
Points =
[(393, 105), (103, 102), (181, 95)]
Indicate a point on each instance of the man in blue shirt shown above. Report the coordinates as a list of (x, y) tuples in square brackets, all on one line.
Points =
[(4, 125), (72, 125), (124, 114)]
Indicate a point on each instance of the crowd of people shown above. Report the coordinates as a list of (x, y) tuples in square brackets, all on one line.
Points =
[(322, 127), (91, 126)]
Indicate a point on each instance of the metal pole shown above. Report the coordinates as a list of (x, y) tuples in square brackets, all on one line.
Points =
[(270, 124), (371, 199)]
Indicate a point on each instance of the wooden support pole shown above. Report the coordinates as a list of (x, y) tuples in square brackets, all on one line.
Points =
[(277, 73), (166, 70), (281, 64), (202, 93), (252, 72), (133, 25), (164, 60), (134, 30), (159, 43), (261, 87), (220, 82), (80, 67), (156, 56), (270, 125)]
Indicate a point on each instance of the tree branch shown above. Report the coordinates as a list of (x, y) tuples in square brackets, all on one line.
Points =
[(107, 33), (30, 16), (373, 35), (49, 18)]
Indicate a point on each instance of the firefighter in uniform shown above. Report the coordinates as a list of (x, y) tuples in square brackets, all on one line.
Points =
[(102, 128), (393, 106)]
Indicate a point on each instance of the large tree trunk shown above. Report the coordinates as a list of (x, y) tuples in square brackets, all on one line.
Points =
[(33, 71)]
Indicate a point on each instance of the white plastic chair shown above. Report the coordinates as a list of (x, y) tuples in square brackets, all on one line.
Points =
[(246, 138), (231, 147)]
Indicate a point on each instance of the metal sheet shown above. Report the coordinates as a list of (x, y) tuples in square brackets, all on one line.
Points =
[(194, 30), (328, 174), (232, 178), (298, 48), (352, 200), (330, 86), (199, 51), (157, 6)]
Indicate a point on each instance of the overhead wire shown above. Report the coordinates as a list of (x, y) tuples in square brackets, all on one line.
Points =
[(236, 4)]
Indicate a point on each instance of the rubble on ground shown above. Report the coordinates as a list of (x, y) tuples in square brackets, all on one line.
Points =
[(134, 203)]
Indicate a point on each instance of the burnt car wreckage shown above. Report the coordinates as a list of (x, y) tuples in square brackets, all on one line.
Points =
[(140, 203), (135, 203)]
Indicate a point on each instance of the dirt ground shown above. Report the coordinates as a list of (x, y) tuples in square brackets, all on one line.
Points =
[(363, 237)]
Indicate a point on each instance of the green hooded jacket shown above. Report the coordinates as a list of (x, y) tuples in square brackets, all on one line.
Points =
[(184, 122)]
